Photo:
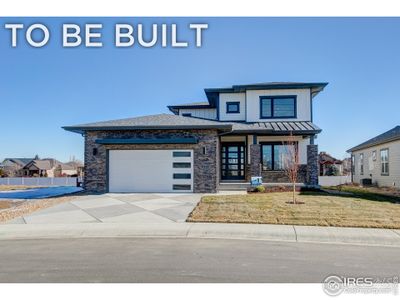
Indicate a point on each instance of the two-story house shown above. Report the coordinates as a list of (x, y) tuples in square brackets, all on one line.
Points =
[(238, 133)]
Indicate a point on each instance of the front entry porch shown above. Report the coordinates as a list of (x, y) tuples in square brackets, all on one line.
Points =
[(244, 156)]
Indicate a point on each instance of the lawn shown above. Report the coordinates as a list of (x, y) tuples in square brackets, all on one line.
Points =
[(360, 209)]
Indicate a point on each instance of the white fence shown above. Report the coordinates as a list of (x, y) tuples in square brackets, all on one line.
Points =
[(40, 181), (333, 180)]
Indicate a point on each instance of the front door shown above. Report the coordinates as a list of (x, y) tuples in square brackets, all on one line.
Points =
[(232, 161)]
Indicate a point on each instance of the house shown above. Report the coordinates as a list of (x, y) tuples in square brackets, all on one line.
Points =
[(48, 167), (378, 159), (12, 166), (328, 165), (238, 133)]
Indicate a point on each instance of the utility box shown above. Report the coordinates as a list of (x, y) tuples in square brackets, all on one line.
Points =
[(366, 181)]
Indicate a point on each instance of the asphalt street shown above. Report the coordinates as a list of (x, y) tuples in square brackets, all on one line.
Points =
[(188, 260)]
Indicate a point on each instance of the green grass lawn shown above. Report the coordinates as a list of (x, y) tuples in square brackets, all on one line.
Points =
[(360, 209)]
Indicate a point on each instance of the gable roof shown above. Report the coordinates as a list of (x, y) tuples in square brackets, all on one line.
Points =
[(325, 158), (41, 164), (388, 136), (19, 161), (161, 121)]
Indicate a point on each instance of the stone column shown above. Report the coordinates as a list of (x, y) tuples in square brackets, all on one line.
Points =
[(255, 160), (312, 165)]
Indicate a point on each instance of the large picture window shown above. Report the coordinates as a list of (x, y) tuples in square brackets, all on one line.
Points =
[(275, 156), (385, 161), (277, 107)]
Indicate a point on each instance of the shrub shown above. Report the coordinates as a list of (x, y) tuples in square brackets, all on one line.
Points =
[(259, 189)]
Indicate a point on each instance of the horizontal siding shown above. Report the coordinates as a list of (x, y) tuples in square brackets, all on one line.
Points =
[(372, 169), (232, 97), (204, 113)]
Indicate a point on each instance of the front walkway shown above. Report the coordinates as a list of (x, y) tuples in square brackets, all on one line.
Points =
[(116, 208)]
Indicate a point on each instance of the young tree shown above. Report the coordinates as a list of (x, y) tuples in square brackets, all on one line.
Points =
[(291, 162)]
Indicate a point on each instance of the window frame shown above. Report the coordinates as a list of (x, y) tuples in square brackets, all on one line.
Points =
[(237, 111), (361, 163), (381, 163), (273, 144), (272, 98), (181, 153)]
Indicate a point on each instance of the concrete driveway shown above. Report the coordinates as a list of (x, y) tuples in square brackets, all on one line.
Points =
[(117, 208)]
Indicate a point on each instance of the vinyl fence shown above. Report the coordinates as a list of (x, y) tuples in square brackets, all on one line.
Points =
[(40, 181), (334, 180)]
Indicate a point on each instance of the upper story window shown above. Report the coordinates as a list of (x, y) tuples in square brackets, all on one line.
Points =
[(233, 107), (186, 114), (361, 163), (385, 161), (277, 107)]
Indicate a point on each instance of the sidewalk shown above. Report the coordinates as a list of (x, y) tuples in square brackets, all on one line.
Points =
[(289, 233)]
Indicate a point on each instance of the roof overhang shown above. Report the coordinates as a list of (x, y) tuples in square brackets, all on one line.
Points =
[(274, 132), (144, 141), (361, 147), (83, 129), (175, 108), (315, 87)]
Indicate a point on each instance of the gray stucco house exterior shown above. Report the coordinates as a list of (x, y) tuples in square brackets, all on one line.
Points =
[(236, 134)]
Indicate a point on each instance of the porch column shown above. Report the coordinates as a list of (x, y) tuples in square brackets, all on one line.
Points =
[(255, 160), (312, 165)]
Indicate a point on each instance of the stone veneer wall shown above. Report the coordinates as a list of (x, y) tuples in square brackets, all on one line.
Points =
[(205, 165), (281, 176), (312, 165)]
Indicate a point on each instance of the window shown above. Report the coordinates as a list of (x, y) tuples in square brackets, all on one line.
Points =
[(181, 187), (277, 107), (186, 114), (352, 164), (184, 165), (374, 155), (361, 163), (274, 156), (232, 107), (181, 154), (385, 161), (182, 175)]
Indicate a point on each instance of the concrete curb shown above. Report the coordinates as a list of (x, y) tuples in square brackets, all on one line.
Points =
[(289, 233)]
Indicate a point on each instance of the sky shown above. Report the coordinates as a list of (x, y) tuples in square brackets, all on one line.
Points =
[(43, 89)]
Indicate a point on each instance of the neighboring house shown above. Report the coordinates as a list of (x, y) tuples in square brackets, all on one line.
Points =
[(12, 166), (237, 134), (328, 165), (378, 159), (48, 167)]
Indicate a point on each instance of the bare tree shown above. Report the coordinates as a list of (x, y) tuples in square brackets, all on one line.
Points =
[(291, 162)]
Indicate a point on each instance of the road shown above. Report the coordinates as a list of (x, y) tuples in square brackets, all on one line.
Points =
[(188, 260)]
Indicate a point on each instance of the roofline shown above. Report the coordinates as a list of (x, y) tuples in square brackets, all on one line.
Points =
[(174, 108), (82, 129), (273, 132), (260, 86), (361, 147)]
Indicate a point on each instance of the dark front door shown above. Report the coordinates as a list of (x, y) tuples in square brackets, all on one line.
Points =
[(232, 161)]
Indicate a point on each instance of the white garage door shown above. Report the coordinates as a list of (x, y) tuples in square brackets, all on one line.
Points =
[(150, 171)]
